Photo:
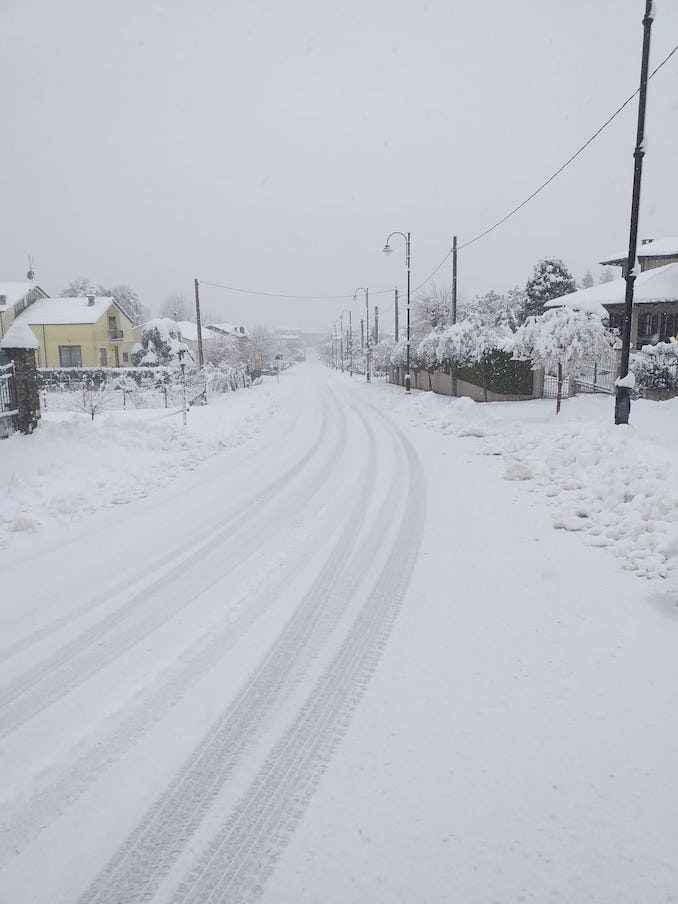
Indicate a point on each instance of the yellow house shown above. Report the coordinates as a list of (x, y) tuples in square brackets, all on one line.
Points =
[(85, 331)]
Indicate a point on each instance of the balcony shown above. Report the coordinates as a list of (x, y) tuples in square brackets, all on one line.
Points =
[(115, 335)]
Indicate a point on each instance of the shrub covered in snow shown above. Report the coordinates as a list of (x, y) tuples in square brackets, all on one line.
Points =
[(656, 366), (160, 344)]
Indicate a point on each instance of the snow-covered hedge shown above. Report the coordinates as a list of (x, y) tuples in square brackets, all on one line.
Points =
[(656, 366)]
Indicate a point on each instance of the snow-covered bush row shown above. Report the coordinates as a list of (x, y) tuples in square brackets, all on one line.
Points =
[(559, 339)]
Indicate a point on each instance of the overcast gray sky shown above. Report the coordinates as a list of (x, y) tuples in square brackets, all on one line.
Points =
[(272, 146)]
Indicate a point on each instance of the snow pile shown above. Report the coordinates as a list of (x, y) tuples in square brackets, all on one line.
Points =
[(73, 466), (614, 485)]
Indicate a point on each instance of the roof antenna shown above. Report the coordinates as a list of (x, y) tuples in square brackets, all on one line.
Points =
[(31, 272)]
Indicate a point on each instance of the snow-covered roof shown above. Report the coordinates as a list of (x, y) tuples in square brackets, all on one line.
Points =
[(19, 335), (189, 331), (660, 284), (229, 329), (11, 292), (66, 310), (667, 247)]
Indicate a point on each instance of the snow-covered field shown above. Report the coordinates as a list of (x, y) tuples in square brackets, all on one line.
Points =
[(333, 648)]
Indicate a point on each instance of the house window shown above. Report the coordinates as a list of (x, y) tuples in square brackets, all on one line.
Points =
[(112, 323), (103, 357), (70, 356), (125, 357)]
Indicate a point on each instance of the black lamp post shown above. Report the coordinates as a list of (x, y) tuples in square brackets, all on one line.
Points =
[(389, 250)]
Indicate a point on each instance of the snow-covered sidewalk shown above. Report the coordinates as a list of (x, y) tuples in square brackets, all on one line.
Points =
[(615, 485)]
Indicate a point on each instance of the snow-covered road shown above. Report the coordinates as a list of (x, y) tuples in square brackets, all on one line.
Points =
[(344, 661)]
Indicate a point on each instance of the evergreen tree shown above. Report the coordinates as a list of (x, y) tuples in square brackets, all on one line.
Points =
[(587, 280), (550, 279)]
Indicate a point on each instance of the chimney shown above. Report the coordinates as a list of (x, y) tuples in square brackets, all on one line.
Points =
[(90, 300)]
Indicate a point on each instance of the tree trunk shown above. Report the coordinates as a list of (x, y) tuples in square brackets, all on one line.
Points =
[(559, 392)]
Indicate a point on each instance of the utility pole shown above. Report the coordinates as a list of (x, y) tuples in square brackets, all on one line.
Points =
[(454, 279), (362, 333), (396, 313), (368, 368), (201, 357), (376, 324), (622, 405), (453, 367)]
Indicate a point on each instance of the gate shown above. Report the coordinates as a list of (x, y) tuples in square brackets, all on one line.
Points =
[(9, 415)]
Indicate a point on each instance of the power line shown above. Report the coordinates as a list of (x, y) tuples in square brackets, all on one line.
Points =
[(481, 235), (477, 238)]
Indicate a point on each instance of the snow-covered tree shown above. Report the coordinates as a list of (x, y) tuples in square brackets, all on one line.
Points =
[(79, 287), (426, 354), (263, 343), (126, 298), (381, 355), (562, 338), (606, 276), (223, 351), (550, 279), (160, 344), (587, 280), (432, 309), (177, 307)]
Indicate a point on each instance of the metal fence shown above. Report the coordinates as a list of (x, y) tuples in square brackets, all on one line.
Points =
[(9, 415), (596, 377), (550, 390)]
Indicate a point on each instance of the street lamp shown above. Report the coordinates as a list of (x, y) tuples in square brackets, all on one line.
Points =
[(367, 329), (388, 250), (350, 338)]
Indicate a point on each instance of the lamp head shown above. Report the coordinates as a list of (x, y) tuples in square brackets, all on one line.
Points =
[(387, 249)]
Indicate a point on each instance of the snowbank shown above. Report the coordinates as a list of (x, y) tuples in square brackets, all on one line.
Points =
[(73, 466), (614, 485)]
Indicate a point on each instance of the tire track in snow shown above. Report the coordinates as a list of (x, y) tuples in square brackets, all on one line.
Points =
[(81, 658), (177, 557), (26, 821), (138, 868), (241, 856)]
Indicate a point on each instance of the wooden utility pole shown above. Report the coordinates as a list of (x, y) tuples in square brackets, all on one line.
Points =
[(622, 405), (453, 312), (454, 279), (201, 357), (376, 324)]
